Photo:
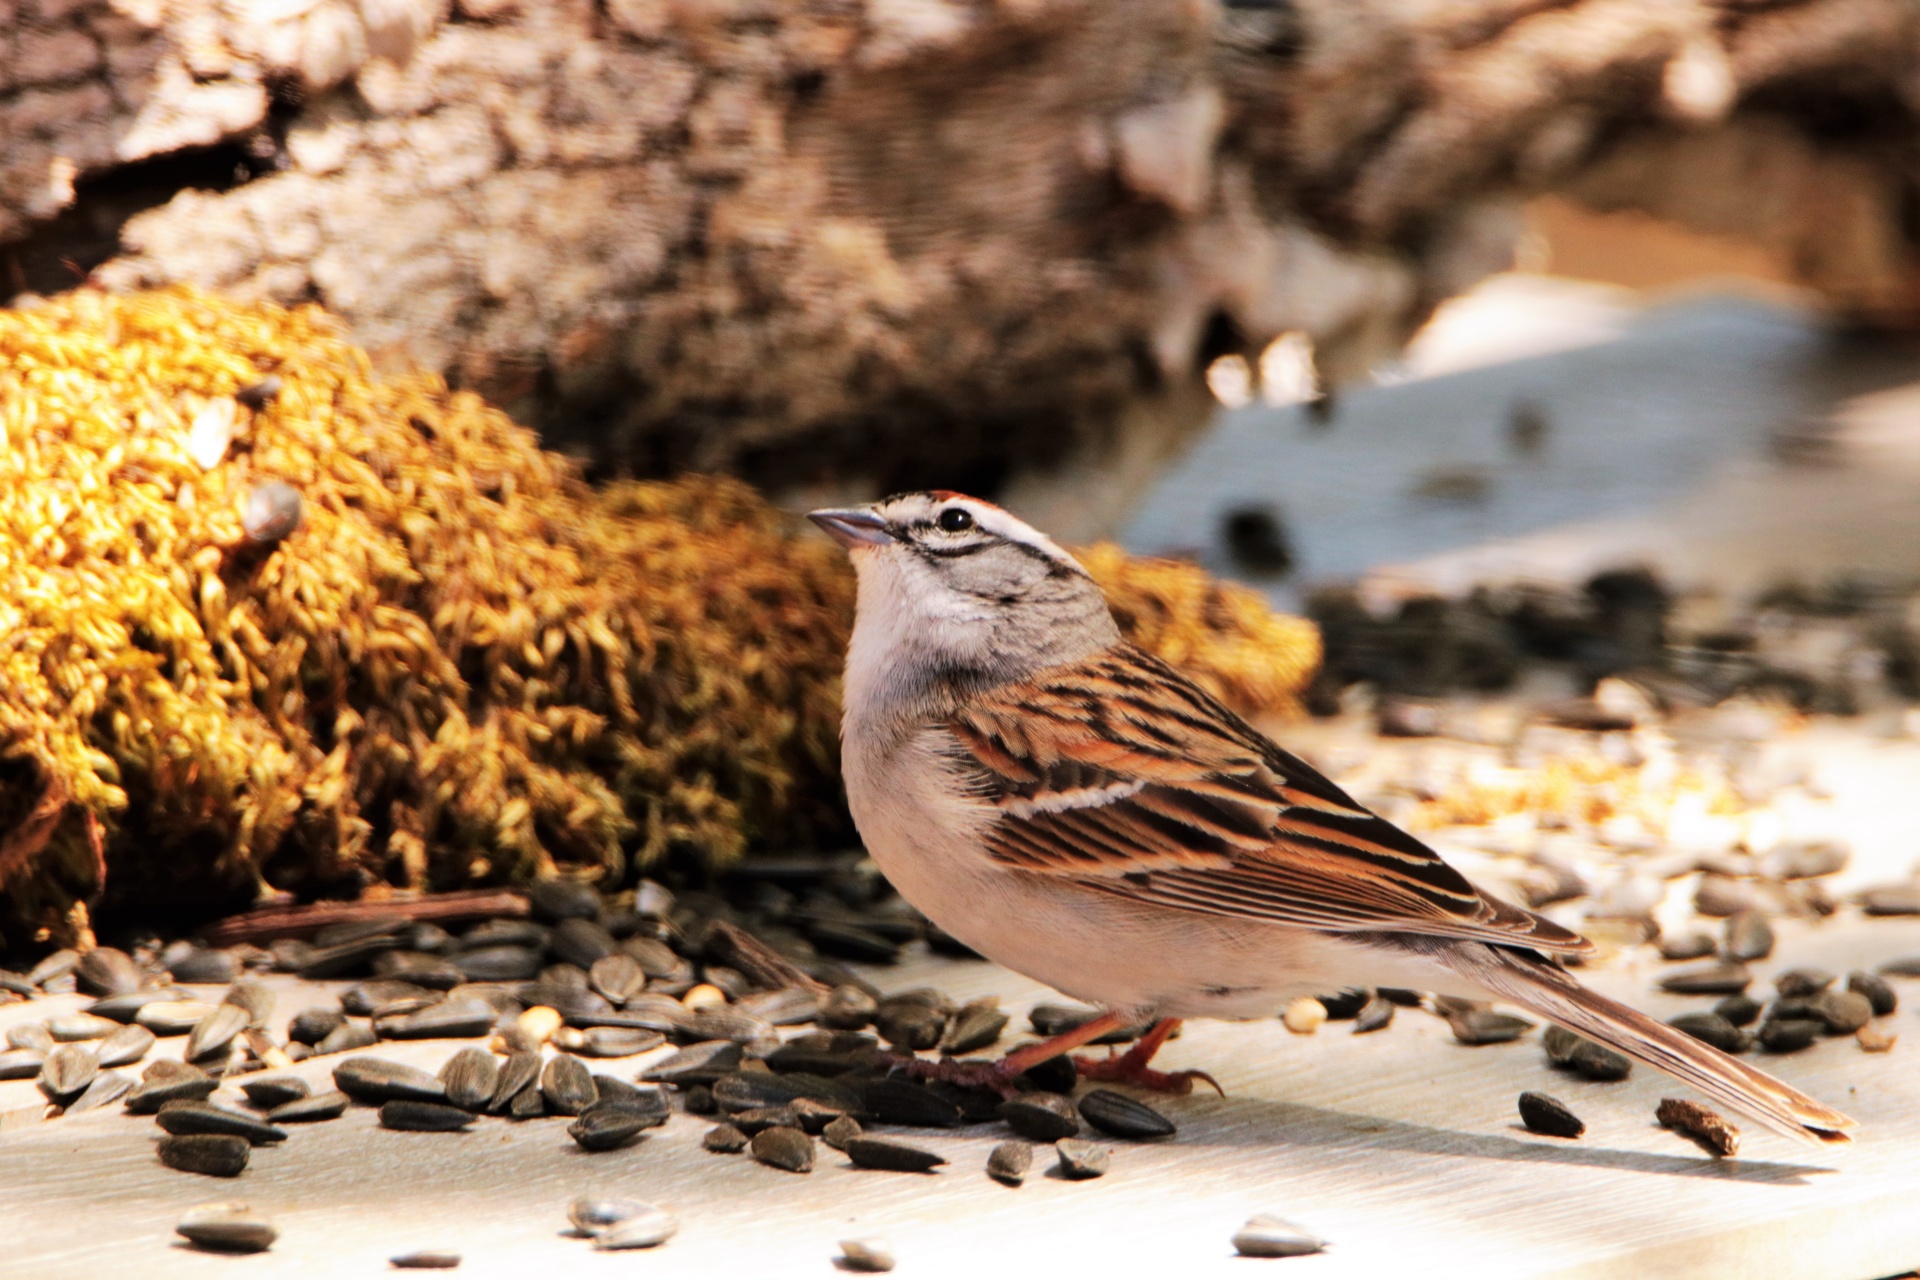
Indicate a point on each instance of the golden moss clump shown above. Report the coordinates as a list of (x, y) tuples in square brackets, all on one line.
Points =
[(464, 666), (1224, 635)]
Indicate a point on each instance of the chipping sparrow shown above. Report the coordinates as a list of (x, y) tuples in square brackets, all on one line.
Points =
[(1080, 812)]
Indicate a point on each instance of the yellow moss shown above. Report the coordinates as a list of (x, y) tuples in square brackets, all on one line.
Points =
[(464, 665)]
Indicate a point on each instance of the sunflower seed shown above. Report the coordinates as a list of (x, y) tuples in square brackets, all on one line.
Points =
[(362, 999), (912, 1028), (727, 1024), (342, 959), (1741, 1011), (498, 964), (617, 977), (1688, 946), (783, 1148), (724, 1139), (1080, 1159), (107, 971), (80, 1026), (619, 1042), (151, 1095), (1714, 1030), (650, 1227), (868, 1152), (1789, 1035), (1043, 1117), (426, 1260), (202, 965), (1484, 1026), (347, 1037), (1709, 980), (1265, 1236), (1009, 1161), (31, 1035), (581, 942), (786, 1007), (567, 1086), (172, 1017), (1880, 996), (330, 1105), (1583, 1057), (227, 1228), (1119, 1116), (204, 1117), (528, 1104), (1842, 1012), (216, 1155), (213, 1035), (446, 1020), (423, 1117), (1057, 1019), (376, 1080), (126, 1045), (839, 1131), (57, 964), (108, 1086), (311, 1026), (1748, 936), (1543, 1113), (902, 1102), (603, 1128), (21, 1064), (1375, 1015), (434, 973), (267, 1092), (517, 1073), (1712, 1132), (469, 1078), (1903, 966), (747, 1090), (756, 1119), (1802, 982), (847, 1008), (67, 1071), (1880, 900), (869, 1255)]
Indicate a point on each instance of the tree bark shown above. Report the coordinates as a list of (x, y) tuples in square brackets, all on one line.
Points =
[(876, 243)]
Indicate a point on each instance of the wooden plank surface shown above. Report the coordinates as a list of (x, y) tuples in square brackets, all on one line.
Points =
[(1401, 1148)]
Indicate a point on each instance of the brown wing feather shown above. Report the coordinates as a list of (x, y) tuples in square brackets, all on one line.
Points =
[(1120, 772)]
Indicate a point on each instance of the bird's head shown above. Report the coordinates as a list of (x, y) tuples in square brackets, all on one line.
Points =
[(955, 587)]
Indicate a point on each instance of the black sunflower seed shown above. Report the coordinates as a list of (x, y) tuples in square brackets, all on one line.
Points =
[(1346, 1003), (204, 1117), (1842, 1012), (1790, 1035), (1748, 936), (72, 1027), (974, 1028), (108, 1086), (202, 964), (1696, 945), (567, 1086), (1376, 1015), (67, 1071), (557, 898), (330, 1105), (528, 1104), (783, 1148), (213, 1035), (868, 1152), (1710, 980), (1057, 1019), (423, 1117), (1741, 1011), (498, 964), (839, 1131), (267, 1092), (1880, 900), (425, 1260), (342, 959), (1265, 1236), (617, 977), (1879, 995), (311, 1026), (107, 971), (1583, 1057), (434, 973), (1543, 1113), (1484, 1026), (376, 1080), (1080, 1159), (1008, 1162), (847, 1008), (213, 1154), (603, 1128), (518, 1072), (755, 1119), (151, 1095), (1715, 1030), (1803, 982), (786, 1007), (227, 1228), (580, 942), (469, 1078), (446, 1020), (724, 1139), (901, 1102), (123, 1008), (1119, 1116), (126, 1045), (619, 1042)]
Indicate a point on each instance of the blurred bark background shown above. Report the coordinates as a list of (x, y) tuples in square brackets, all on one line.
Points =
[(864, 244)]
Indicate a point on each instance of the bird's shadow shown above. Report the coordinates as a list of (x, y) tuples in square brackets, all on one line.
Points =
[(1241, 1122)]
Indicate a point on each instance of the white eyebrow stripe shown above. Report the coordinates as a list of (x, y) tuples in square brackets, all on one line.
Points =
[(1078, 798)]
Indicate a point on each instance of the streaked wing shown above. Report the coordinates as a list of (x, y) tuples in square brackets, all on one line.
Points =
[(1120, 772)]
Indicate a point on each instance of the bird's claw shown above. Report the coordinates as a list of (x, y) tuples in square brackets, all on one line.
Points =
[(1126, 1069)]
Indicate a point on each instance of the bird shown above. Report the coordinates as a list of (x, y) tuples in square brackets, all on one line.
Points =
[(1079, 811)]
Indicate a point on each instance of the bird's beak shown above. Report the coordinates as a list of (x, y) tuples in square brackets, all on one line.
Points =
[(852, 527)]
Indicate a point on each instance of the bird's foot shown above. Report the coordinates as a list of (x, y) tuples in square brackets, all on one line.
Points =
[(1131, 1067), (967, 1073)]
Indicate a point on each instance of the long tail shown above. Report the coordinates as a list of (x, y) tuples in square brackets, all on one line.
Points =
[(1528, 980)]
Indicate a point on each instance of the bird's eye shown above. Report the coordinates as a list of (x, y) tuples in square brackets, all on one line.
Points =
[(956, 520)]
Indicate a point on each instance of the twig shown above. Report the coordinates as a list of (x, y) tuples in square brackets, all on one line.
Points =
[(268, 923)]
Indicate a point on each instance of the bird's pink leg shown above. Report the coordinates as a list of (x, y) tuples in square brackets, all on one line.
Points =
[(999, 1075), (1131, 1067)]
